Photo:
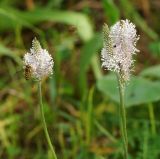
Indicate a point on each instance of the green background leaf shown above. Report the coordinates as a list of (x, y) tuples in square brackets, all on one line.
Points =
[(138, 91)]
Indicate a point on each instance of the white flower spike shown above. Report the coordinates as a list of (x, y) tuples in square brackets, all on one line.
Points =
[(39, 61), (119, 46)]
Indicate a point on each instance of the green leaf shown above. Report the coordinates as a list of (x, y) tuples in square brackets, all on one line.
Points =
[(4, 51), (39, 15), (80, 20), (99, 157), (153, 72), (89, 49), (111, 11), (138, 91), (154, 47), (131, 13), (10, 18)]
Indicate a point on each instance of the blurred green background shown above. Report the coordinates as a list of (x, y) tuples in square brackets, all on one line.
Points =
[(81, 100)]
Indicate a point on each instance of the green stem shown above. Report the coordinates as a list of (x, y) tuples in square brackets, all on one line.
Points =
[(89, 116), (44, 122), (123, 118), (145, 142), (152, 118), (105, 131)]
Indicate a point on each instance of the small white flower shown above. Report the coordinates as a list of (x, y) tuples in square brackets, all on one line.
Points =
[(39, 60), (119, 46)]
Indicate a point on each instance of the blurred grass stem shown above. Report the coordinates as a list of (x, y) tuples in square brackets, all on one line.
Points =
[(44, 122), (89, 122), (123, 117), (152, 118)]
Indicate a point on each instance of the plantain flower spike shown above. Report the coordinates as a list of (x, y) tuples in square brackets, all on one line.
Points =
[(39, 61), (119, 45)]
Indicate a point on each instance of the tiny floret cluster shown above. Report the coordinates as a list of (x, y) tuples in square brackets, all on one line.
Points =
[(119, 46), (39, 61)]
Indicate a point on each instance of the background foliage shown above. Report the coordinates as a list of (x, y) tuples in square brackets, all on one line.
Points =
[(81, 100)]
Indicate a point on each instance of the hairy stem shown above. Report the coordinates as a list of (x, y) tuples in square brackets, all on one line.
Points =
[(123, 118), (44, 122)]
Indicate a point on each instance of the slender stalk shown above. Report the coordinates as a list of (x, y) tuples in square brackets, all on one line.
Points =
[(89, 116), (105, 131), (152, 118), (44, 122), (145, 142), (123, 118)]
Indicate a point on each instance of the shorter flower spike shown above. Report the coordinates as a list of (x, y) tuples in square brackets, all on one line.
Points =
[(39, 61), (119, 46)]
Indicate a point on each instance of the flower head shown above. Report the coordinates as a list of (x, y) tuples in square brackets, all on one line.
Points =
[(39, 61), (119, 46)]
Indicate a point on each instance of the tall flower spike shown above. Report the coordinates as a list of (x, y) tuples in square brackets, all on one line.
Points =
[(119, 46), (39, 61)]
